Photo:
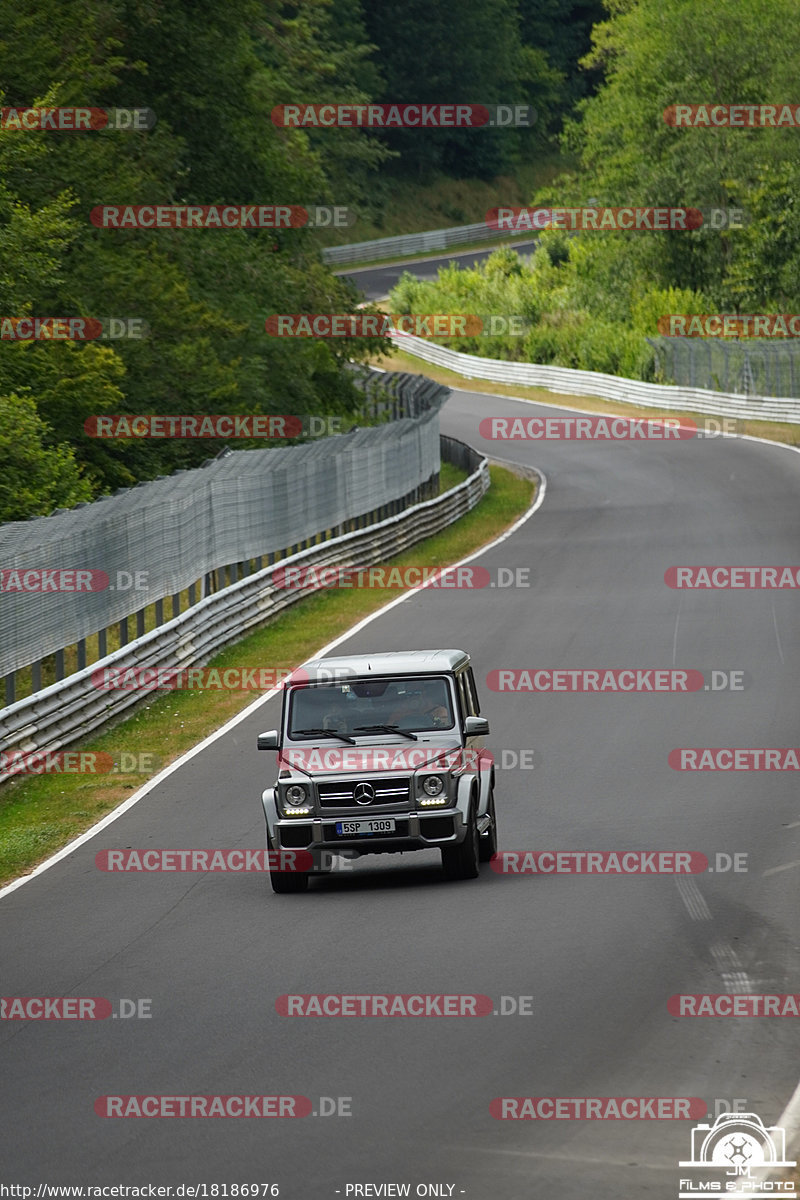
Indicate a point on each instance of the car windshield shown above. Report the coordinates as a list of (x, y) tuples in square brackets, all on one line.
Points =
[(367, 707)]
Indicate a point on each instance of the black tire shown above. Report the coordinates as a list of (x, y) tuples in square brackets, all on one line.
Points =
[(463, 861), (488, 844), (287, 882)]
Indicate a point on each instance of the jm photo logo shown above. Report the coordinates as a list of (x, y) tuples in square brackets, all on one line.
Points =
[(733, 1155)]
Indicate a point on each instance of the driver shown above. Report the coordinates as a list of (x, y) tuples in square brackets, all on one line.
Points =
[(418, 710)]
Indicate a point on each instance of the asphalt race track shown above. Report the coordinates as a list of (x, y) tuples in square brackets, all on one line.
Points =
[(599, 955), (376, 282)]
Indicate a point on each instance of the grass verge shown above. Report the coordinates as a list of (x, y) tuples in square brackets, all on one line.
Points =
[(773, 430), (39, 814)]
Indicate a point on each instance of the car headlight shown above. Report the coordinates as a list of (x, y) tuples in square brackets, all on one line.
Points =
[(433, 785), (295, 801)]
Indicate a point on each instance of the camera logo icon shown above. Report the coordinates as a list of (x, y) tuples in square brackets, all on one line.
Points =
[(738, 1142)]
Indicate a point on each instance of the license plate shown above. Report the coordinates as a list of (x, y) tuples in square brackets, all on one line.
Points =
[(364, 828)]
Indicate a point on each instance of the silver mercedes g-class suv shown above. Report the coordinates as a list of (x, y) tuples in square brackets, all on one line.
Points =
[(380, 753)]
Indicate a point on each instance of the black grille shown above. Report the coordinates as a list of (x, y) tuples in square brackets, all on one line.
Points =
[(437, 827), (295, 836), (341, 794)]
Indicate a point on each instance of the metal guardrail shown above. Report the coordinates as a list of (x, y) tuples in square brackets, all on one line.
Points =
[(608, 387), (232, 516), (60, 714), (408, 243)]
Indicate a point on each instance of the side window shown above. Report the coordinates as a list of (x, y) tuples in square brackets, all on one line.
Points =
[(473, 692), (463, 696)]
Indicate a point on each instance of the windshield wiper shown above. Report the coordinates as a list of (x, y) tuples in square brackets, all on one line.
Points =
[(386, 729), (323, 733)]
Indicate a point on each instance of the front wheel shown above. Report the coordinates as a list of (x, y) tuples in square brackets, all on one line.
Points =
[(488, 843), (463, 861)]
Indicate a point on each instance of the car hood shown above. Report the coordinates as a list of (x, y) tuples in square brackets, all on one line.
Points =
[(390, 758)]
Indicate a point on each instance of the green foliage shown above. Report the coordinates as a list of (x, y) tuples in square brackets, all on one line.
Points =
[(212, 78), (37, 476), (593, 298)]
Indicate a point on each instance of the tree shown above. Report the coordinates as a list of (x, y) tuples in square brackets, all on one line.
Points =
[(37, 477)]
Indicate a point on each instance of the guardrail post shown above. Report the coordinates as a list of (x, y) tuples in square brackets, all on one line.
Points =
[(63, 724)]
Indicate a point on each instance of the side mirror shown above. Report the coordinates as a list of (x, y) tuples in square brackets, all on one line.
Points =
[(269, 740), (475, 726)]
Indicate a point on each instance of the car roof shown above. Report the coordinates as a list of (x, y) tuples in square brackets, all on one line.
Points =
[(391, 662)]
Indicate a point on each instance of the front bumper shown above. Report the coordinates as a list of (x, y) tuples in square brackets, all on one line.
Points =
[(414, 830)]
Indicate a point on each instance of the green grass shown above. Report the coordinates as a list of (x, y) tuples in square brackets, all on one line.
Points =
[(399, 361), (40, 814)]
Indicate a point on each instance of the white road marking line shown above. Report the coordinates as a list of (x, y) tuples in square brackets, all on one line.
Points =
[(784, 867), (251, 708), (775, 627)]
